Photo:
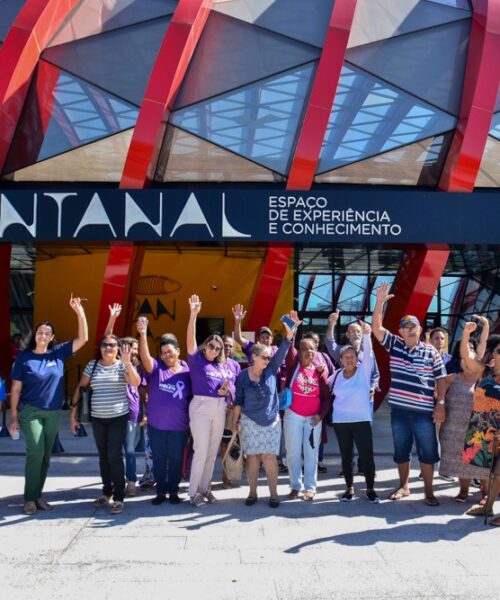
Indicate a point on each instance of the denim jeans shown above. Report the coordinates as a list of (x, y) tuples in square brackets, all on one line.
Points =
[(167, 446), (408, 425), (297, 430), (131, 441)]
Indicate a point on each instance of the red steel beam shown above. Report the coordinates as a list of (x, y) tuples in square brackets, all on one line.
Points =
[(174, 56), (307, 152)]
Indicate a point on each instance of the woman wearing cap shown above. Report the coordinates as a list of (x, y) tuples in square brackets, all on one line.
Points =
[(257, 403), (168, 411), (37, 384), (311, 400), (212, 391), (352, 413), (108, 376)]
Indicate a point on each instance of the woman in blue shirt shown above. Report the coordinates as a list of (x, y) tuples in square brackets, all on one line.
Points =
[(36, 397), (257, 403)]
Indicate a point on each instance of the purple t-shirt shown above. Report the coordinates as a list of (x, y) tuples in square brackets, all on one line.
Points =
[(207, 377), (235, 368), (169, 396), (134, 399)]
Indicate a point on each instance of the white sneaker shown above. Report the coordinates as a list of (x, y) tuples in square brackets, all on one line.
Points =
[(130, 489), (198, 500)]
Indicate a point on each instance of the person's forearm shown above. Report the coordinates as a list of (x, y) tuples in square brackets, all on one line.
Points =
[(377, 329), (237, 334), (441, 388), (110, 324), (191, 335), (14, 403), (146, 359), (483, 338), (330, 331), (132, 377)]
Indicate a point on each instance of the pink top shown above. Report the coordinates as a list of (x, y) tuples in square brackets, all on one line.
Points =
[(305, 392)]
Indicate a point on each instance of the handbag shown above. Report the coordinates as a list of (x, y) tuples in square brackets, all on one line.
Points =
[(232, 461), (86, 399), (285, 396)]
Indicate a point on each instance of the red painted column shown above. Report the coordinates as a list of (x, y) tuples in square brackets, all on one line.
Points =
[(5, 358), (34, 26), (306, 154)]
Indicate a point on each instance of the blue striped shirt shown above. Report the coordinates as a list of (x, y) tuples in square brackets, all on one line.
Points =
[(413, 374)]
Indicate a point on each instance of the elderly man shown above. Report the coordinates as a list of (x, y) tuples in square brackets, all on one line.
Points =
[(417, 372)]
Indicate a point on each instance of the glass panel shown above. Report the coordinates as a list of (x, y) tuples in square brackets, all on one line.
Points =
[(464, 4), (9, 10), (304, 21), (370, 117), (395, 19), (101, 161), (381, 278), (62, 113), (489, 172), (449, 288), (417, 164), (95, 16), (429, 64), (495, 126), (232, 53), (119, 61), (352, 294), (258, 121), (185, 157), (315, 292)]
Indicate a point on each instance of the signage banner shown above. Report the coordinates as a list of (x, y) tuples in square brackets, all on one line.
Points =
[(257, 215)]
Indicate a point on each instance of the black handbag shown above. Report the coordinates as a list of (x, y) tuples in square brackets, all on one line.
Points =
[(86, 399)]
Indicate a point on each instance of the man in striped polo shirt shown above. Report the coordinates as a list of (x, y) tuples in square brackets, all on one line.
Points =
[(416, 396)]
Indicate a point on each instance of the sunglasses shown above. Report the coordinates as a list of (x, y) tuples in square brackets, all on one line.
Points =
[(213, 347), (109, 345)]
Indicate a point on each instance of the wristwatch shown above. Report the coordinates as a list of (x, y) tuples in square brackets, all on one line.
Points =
[(441, 402)]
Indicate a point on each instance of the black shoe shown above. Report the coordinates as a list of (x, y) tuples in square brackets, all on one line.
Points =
[(158, 499), (322, 468), (372, 496), (173, 498), (274, 502), (348, 495), (251, 500), (282, 468)]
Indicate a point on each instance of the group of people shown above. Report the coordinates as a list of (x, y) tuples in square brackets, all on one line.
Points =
[(278, 405)]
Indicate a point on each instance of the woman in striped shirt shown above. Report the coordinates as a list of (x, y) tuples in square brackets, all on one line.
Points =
[(108, 377)]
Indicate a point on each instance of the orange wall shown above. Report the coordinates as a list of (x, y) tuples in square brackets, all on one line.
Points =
[(167, 279)]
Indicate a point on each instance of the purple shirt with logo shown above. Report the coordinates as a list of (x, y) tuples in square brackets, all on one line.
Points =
[(169, 396), (207, 377)]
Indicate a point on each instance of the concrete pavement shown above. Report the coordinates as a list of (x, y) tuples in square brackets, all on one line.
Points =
[(324, 549)]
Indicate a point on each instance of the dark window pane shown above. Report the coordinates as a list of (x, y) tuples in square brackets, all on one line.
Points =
[(9, 10)]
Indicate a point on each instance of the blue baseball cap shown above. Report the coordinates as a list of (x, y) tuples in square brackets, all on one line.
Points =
[(409, 320)]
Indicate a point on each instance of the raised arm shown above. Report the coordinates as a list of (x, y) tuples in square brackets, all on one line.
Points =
[(83, 329), (382, 297), (367, 362), (132, 377), (146, 358), (483, 338), (114, 312), (330, 343), (239, 314), (194, 309), (285, 346), (466, 354)]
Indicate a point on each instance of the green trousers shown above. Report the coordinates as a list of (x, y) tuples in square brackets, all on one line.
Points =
[(40, 429)]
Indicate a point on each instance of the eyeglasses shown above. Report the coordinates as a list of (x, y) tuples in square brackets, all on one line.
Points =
[(213, 347), (264, 356), (109, 345)]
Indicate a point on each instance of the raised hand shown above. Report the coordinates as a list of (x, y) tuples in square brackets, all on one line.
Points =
[(115, 310), (194, 304), (76, 305), (470, 327), (383, 292), (239, 312), (125, 354), (334, 317), (481, 319), (142, 325), (365, 327), (294, 315)]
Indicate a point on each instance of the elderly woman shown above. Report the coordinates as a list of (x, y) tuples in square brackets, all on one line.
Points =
[(36, 397), (487, 395), (108, 376), (352, 413), (257, 403), (168, 412), (307, 379), (212, 391)]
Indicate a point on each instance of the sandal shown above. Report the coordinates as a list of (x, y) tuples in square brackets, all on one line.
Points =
[(293, 495), (29, 508), (431, 501), (308, 496), (478, 511), (116, 508), (251, 500), (43, 505), (274, 502), (398, 494), (461, 497), (101, 501)]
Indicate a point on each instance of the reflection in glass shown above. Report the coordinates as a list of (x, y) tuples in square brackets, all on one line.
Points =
[(258, 122), (495, 126), (352, 294), (315, 292), (62, 113), (464, 4), (370, 117)]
